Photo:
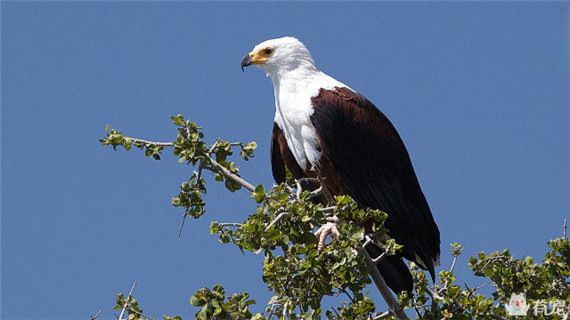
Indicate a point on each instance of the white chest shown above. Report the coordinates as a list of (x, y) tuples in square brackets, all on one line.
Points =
[(293, 115), (293, 118)]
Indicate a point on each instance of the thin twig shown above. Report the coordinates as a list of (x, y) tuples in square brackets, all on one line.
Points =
[(434, 294), (228, 174), (279, 217), (453, 264), (380, 256), (444, 285), (127, 301), (489, 260), (156, 143), (472, 290), (182, 225), (231, 176), (307, 179), (381, 316), (144, 315), (96, 315), (564, 229), (348, 295), (315, 193), (299, 189), (229, 224)]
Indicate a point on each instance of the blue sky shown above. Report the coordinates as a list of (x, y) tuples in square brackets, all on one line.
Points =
[(478, 91)]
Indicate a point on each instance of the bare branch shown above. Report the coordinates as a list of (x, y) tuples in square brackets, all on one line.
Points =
[(231, 176), (218, 167), (307, 179), (383, 315), (564, 229), (144, 315), (299, 189), (488, 261), (453, 264), (279, 217), (229, 224), (96, 315), (182, 225), (380, 257), (327, 209), (435, 293), (317, 192), (156, 143), (472, 290)]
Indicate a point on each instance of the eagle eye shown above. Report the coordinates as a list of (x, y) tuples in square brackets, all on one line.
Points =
[(267, 51)]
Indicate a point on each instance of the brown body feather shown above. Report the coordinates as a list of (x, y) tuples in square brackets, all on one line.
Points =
[(362, 155)]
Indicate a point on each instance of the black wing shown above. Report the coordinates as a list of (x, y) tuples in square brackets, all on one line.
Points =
[(277, 163), (282, 158), (372, 163)]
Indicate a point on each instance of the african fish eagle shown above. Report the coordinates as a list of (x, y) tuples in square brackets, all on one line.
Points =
[(324, 129)]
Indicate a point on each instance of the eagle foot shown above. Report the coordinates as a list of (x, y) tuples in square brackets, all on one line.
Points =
[(324, 231)]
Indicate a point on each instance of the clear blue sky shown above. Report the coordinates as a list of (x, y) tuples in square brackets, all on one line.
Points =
[(478, 91)]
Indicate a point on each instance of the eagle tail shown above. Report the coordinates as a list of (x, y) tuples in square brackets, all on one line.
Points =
[(396, 274), (394, 271)]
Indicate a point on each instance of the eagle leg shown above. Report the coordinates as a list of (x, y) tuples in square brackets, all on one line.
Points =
[(326, 230)]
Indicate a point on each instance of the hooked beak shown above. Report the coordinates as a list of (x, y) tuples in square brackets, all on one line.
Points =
[(246, 61)]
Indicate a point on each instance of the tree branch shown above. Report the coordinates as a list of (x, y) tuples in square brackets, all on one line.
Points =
[(156, 143), (230, 224), (383, 315), (279, 217), (233, 177), (216, 165)]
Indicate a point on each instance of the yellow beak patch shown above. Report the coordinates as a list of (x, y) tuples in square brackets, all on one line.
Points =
[(258, 57)]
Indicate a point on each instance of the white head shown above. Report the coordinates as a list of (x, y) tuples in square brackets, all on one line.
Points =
[(281, 55)]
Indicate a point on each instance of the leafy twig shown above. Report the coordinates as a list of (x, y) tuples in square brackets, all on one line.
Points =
[(127, 301)]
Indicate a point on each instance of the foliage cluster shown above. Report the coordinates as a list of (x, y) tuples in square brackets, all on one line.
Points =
[(300, 273)]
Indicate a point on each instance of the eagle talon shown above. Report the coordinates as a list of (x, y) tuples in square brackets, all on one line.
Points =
[(324, 231)]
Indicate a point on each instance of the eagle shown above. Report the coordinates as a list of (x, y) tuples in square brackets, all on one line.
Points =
[(325, 130)]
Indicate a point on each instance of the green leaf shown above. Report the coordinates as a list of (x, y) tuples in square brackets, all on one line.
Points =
[(178, 120), (259, 193)]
